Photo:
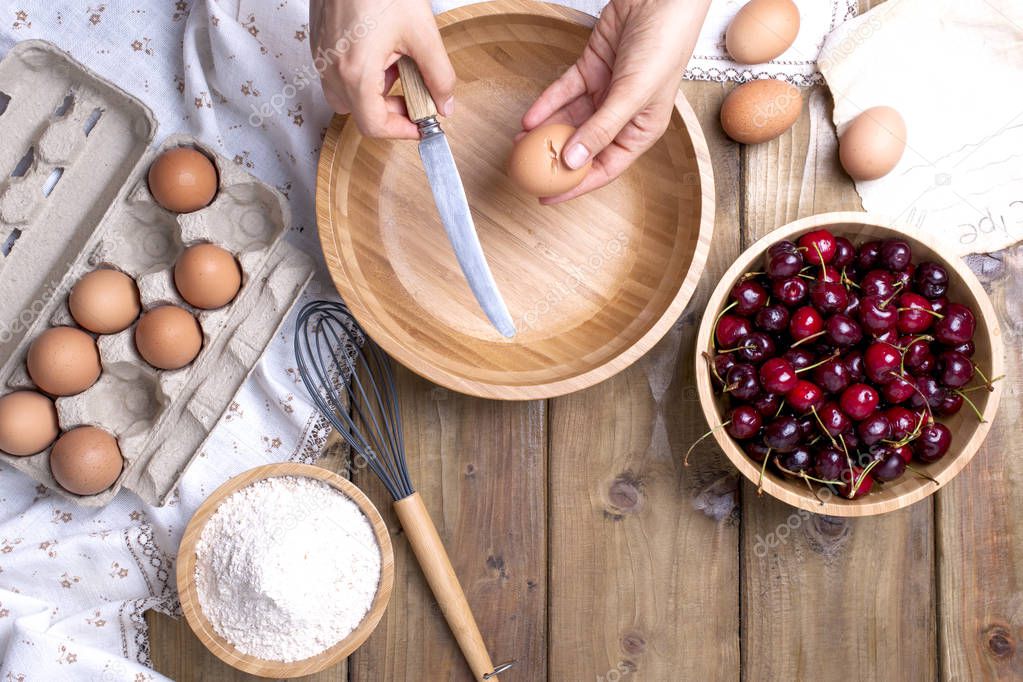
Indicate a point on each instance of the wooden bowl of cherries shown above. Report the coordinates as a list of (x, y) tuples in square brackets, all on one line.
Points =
[(846, 367)]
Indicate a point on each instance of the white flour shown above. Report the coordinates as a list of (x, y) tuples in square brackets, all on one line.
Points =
[(286, 568)]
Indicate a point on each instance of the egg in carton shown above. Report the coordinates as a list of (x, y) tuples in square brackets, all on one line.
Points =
[(161, 418)]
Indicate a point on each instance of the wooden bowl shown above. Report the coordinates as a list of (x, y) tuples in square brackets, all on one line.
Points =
[(967, 431), (223, 649), (591, 284)]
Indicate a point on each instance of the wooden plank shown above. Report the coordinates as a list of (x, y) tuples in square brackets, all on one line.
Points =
[(860, 590), (980, 545), (643, 570), (480, 466), (178, 653)]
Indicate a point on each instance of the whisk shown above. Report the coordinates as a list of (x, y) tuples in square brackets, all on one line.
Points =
[(351, 380)]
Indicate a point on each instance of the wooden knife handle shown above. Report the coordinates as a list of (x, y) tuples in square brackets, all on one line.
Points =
[(418, 101), (427, 546)]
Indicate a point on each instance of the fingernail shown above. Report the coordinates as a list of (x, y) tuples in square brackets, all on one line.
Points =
[(576, 156), (448, 107)]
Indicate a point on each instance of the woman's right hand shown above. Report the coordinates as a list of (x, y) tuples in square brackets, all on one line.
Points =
[(356, 45)]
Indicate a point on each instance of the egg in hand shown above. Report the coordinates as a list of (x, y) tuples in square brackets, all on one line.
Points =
[(537, 165)]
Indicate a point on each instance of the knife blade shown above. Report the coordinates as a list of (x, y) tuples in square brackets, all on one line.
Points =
[(449, 196)]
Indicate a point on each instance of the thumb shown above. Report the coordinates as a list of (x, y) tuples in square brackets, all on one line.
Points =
[(600, 129), (427, 50)]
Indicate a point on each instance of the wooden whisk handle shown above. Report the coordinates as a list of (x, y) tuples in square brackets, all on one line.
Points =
[(418, 100), (436, 565)]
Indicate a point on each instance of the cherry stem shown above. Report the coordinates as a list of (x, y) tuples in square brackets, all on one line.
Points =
[(863, 475), (763, 470), (988, 383), (820, 260), (922, 474), (685, 460), (713, 369), (848, 282), (808, 338), (827, 433), (819, 362), (973, 406), (806, 477), (736, 349), (927, 403)]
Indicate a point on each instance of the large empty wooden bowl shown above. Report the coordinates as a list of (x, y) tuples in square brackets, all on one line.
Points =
[(591, 284), (226, 651), (968, 431)]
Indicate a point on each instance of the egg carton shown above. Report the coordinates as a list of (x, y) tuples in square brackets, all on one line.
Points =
[(74, 197)]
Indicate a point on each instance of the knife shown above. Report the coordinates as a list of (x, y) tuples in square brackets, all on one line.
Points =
[(449, 195)]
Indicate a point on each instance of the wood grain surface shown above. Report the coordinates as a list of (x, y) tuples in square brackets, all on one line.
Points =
[(589, 552)]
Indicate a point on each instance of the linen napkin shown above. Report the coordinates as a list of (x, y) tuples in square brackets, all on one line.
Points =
[(953, 69)]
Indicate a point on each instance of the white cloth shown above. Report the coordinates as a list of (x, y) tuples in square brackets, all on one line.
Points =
[(74, 582), (953, 69)]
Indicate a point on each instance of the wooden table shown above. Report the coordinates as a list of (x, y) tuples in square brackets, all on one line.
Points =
[(589, 552)]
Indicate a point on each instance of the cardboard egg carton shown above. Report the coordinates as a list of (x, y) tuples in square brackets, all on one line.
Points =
[(74, 197)]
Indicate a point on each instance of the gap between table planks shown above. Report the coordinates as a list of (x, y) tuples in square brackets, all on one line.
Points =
[(589, 552)]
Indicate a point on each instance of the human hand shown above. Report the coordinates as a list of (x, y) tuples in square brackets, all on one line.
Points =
[(621, 91), (360, 45)]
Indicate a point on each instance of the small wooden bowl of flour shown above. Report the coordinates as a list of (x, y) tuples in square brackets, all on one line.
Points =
[(285, 570)]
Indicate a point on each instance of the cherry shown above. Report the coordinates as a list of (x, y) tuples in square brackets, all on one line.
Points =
[(741, 381), (933, 443), (853, 307), (939, 304), (842, 330), (791, 290), (808, 427), (835, 421), (773, 318), (918, 356), (851, 440), (828, 297), (876, 315), (849, 479), (957, 326), (951, 403), (749, 296), (756, 450), (853, 361), (722, 363), (731, 329), (783, 260), (778, 376), (829, 273), (880, 283), (799, 357), (905, 452), (868, 255), (805, 396), (903, 422), (891, 337), (782, 434), (767, 405), (895, 254), (891, 466), (832, 376), (904, 278), (744, 422), (880, 360), (914, 313), (899, 388), (819, 246), (955, 370), (830, 463), (805, 322), (794, 462), (858, 401), (756, 347), (845, 253), (930, 280), (874, 428)]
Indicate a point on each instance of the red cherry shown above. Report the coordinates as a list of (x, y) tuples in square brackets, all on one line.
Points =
[(835, 421), (881, 362), (957, 326), (731, 329), (743, 423), (849, 479), (933, 443), (749, 297), (858, 401), (880, 283), (914, 313), (818, 245), (903, 421), (778, 376), (805, 396), (876, 315), (899, 389), (806, 321)]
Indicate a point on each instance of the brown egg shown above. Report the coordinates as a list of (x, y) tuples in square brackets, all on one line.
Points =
[(86, 460), (760, 110), (168, 337), (207, 276), (28, 423), (63, 361), (105, 301), (536, 165), (183, 180), (872, 144), (762, 30)]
